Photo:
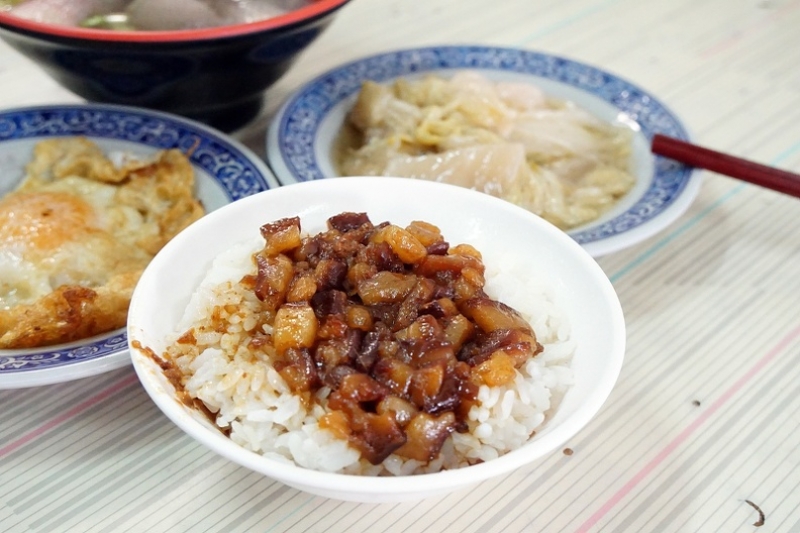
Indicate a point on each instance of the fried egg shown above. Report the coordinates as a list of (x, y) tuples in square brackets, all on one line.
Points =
[(76, 234)]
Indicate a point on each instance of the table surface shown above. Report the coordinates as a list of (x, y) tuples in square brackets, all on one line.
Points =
[(701, 431)]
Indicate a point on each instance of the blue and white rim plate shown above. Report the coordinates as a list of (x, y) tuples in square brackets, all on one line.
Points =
[(302, 134), (225, 170)]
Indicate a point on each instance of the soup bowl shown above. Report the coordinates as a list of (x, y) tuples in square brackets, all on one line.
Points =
[(516, 245), (216, 75)]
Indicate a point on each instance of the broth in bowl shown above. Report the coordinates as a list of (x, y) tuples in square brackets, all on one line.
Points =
[(177, 63), (149, 15)]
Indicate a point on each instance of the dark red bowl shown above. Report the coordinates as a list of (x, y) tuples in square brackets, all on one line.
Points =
[(214, 75)]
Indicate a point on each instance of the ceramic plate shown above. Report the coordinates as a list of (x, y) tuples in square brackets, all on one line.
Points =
[(225, 171), (300, 138)]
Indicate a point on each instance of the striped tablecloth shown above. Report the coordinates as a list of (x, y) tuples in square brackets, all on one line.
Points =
[(701, 433)]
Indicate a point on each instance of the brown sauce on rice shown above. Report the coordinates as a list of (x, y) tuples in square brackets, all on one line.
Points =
[(394, 321)]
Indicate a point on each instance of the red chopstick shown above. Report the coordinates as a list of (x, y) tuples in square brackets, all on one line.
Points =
[(735, 167)]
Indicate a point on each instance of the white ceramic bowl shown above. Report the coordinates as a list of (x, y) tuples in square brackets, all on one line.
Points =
[(495, 227), (301, 136), (225, 171)]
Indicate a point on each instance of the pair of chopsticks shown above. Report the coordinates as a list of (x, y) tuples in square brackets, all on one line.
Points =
[(734, 167)]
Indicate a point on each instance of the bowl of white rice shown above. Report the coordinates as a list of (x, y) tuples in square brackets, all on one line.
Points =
[(239, 405)]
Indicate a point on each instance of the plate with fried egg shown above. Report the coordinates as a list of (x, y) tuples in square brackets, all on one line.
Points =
[(89, 193)]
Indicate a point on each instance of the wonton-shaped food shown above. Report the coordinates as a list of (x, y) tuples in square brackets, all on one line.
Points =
[(507, 139)]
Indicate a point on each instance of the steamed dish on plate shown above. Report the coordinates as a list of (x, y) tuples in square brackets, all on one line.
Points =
[(149, 15), (506, 139), (76, 234), (369, 349)]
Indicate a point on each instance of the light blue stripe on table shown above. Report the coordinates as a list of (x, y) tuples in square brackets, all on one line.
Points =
[(787, 153), (291, 514), (675, 234), (569, 20)]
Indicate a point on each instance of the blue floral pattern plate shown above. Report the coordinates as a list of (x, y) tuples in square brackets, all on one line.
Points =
[(225, 171), (301, 136)]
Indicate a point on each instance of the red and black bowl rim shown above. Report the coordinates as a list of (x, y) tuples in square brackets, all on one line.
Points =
[(314, 10)]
